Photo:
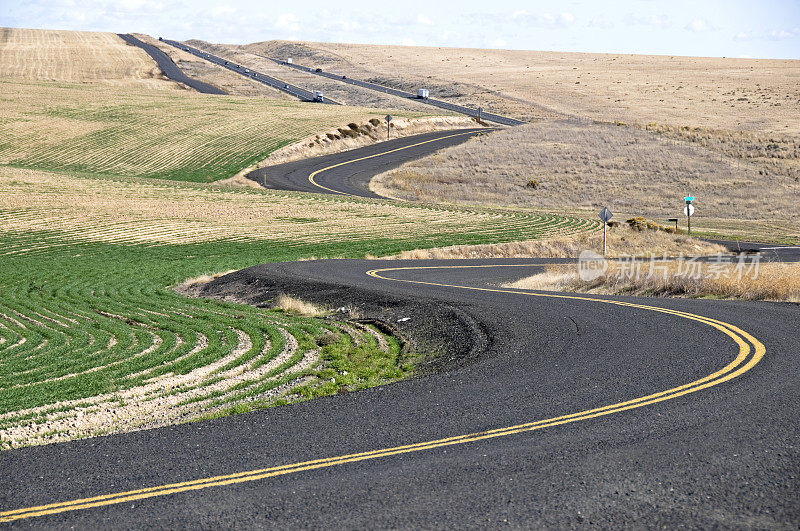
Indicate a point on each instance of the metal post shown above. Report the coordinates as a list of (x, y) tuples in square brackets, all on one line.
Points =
[(688, 208), (387, 130), (605, 224)]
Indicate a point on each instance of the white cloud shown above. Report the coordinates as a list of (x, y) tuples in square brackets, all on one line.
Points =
[(422, 19), (543, 20), (773, 35), (700, 25), (405, 41), (222, 11), (657, 21), (781, 34), (599, 22), (287, 22), (498, 43)]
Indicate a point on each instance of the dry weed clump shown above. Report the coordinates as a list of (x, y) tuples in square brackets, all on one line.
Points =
[(622, 241), (192, 286), (748, 281), (294, 306)]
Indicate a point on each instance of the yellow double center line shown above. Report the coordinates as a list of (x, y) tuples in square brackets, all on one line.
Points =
[(313, 175), (750, 352)]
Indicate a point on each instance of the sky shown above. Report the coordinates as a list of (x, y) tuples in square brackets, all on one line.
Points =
[(732, 28)]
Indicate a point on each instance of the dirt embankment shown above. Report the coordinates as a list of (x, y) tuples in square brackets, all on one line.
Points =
[(446, 334)]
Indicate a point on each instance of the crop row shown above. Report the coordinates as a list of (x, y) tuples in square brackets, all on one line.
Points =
[(162, 134), (78, 363)]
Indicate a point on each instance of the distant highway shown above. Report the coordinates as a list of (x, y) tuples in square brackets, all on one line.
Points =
[(487, 116), (300, 93), (169, 68)]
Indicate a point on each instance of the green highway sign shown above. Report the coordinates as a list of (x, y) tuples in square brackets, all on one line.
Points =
[(688, 198)]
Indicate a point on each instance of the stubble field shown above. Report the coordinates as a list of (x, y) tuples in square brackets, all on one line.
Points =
[(164, 134), (79, 57)]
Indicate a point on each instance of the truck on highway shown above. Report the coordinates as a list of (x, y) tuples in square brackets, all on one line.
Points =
[(318, 96), (289, 60), (423, 94)]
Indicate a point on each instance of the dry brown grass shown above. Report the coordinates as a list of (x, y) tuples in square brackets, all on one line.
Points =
[(294, 306), (77, 56), (622, 241), (192, 286), (633, 171), (769, 281), (733, 94)]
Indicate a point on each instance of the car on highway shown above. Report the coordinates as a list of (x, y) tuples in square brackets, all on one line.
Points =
[(344, 77), (318, 70)]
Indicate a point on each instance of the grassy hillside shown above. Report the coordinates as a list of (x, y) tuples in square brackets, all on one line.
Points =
[(77, 56), (161, 134)]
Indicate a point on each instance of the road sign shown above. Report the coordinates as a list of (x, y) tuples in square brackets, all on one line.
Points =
[(688, 199), (688, 210), (388, 118)]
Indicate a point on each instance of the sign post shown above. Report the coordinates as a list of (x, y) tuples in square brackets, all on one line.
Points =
[(388, 119), (480, 112), (605, 215), (688, 210)]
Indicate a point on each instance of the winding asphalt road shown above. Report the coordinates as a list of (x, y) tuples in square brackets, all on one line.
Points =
[(349, 172), (579, 410), (570, 410)]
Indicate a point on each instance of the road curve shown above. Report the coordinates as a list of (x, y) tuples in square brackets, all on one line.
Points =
[(169, 68), (613, 411), (349, 172)]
